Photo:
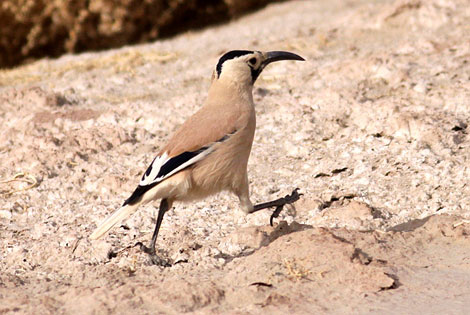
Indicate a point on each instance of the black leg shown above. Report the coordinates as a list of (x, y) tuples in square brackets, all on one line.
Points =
[(278, 203), (151, 249)]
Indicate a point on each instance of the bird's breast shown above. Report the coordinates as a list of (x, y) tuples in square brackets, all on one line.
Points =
[(225, 168)]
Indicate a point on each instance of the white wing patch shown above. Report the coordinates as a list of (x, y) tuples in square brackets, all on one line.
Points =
[(157, 163), (164, 166), (172, 165)]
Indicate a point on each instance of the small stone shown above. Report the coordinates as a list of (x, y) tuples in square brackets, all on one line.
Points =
[(5, 214)]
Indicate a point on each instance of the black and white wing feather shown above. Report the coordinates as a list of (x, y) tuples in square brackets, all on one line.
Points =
[(163, 167)]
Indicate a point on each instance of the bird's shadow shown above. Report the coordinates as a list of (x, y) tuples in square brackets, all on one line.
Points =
[(272, 234)]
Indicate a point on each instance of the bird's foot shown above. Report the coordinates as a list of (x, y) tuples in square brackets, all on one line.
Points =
[(288, 199), (153, 258), (159, 261), (279, 204)]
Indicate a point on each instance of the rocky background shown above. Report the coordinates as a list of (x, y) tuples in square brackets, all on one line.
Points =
[(373, 128), (31, 29)]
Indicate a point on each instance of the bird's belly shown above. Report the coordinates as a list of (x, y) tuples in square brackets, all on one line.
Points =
[(219, 171)]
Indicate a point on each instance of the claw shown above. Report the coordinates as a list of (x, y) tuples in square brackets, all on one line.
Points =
[(158, 261), (154, 259), (275, 214), (145, 249), (288, 199), (293, 197)]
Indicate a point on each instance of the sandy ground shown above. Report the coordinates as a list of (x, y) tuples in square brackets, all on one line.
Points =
[(373, 129)]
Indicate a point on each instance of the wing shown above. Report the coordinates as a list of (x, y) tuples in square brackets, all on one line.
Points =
[(208, 125), (164, 166)]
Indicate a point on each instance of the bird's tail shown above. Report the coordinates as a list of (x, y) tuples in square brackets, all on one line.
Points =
[(116, 217)]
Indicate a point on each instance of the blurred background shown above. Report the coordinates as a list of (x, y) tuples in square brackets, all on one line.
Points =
[(31, 29)]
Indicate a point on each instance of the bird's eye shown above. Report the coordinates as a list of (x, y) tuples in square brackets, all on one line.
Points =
[(252, 61)]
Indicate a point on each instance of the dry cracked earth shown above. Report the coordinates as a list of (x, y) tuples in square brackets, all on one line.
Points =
[(373, 128)]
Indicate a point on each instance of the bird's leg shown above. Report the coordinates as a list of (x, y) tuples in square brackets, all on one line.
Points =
[(278, 203), (151, 249)]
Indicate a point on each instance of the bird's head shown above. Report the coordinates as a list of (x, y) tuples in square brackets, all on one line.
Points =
[(244, 66)]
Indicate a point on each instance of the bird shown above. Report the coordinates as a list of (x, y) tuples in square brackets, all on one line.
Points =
[(210, 150)]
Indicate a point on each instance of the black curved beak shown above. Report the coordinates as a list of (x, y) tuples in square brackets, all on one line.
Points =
[(272, 56)]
